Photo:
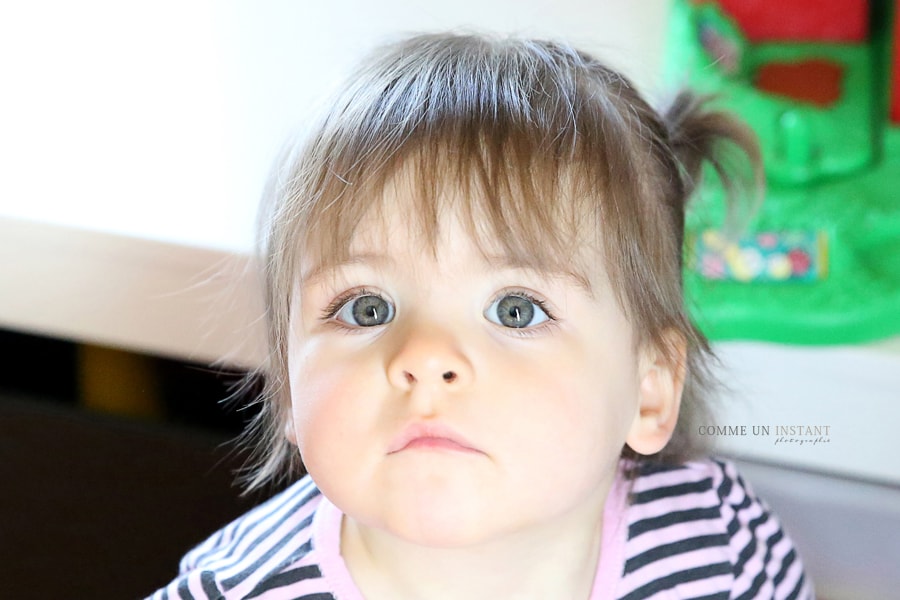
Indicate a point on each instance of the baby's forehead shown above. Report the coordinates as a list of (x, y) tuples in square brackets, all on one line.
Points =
[(395, 241)]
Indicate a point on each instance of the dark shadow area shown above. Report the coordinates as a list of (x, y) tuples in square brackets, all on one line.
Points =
[(102, 506)]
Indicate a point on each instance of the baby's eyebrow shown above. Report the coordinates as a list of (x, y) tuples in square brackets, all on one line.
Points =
[(320, 269), (493, 261), (502, 261)]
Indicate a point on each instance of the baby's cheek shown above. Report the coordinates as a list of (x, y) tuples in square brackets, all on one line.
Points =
[(594, 415), (331, 412), (333, 437), (316, 408)]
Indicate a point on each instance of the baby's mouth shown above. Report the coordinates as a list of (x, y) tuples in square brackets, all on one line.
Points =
[(431, 436)]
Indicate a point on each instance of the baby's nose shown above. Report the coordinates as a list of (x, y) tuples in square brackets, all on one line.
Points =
[(429, 355)]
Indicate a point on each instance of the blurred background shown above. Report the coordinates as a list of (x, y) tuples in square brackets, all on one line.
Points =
[(134, 142)]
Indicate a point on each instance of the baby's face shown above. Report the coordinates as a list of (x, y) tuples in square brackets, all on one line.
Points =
[(452, 400)]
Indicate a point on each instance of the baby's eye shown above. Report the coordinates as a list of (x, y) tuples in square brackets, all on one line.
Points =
[(367, 310), (516, 310)]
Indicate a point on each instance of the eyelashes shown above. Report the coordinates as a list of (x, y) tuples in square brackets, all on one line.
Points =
[(360, 308), (342, 300), (517, 310), (513, 310)]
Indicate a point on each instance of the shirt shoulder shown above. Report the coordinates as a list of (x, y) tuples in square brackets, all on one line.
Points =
[(261, 551), (698, 530)]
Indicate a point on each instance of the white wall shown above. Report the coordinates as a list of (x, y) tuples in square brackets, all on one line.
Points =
[(159, 119)]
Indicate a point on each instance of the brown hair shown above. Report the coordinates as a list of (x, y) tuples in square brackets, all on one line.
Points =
[(551, 150)]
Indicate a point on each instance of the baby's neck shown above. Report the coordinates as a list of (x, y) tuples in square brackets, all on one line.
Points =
[(555, 561)]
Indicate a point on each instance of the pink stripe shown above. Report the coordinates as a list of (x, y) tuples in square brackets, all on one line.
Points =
[(689, 473), (705, 587), (674, 564), (673, 533), (794, 573), (195, 586), (296, 590), (668, 506), (612, 545)]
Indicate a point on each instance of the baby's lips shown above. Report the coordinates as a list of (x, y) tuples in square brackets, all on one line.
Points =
[(433, 435)]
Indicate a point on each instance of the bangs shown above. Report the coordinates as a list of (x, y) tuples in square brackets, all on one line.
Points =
[(511, 203)]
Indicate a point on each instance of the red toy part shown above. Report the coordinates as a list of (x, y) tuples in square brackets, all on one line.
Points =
[(895, 67), (815, 81), (799, 20)]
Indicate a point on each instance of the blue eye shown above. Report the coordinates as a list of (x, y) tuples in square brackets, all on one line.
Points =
[(516, 311), (366, 310)]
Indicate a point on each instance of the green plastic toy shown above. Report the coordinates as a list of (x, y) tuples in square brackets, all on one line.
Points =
[(820, 263)]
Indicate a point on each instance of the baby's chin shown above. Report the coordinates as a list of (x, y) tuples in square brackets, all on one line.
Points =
[(435, 532), (429, 519)]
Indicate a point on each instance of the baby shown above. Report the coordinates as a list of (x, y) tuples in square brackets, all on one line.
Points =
[(480, 350)]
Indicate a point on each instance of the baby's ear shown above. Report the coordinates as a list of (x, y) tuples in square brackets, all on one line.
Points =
[(662, 372)]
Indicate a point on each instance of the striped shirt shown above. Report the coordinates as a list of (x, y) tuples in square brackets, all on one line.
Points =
[(689, 531)]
